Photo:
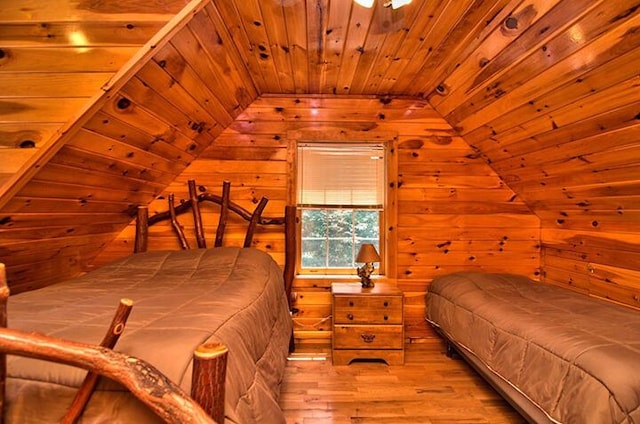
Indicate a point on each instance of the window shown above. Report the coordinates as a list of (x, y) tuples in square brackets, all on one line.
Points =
[(341, 191)]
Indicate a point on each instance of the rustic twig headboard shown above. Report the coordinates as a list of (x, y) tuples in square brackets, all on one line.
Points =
[(255, 218)]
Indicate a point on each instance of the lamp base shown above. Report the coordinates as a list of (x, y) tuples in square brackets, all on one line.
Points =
[(367, 284), (364, 272)]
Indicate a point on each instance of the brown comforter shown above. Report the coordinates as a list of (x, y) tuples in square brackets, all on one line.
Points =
[(181, 300), (574, 357)]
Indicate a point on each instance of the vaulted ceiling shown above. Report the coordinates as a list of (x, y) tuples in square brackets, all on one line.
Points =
[(546, 91)]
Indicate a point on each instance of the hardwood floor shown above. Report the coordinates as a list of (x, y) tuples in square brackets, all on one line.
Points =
[(429, 388)]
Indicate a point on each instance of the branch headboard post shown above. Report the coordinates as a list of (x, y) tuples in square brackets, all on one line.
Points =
[(197, 217), (142, 230), (224, 213), (291, 249), (255, 220), (176, 225)]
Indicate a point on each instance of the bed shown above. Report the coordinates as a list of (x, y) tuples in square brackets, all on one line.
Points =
[(555, 355), (232, 297)]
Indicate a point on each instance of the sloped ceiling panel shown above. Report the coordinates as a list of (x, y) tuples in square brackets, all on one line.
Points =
[(55, 56), (153, 118)]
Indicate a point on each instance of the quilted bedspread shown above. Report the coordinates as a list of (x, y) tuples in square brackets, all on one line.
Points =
[(181, 299), (576, 358)]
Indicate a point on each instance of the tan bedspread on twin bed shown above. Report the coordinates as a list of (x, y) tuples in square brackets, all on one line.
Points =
[(576, 357), (181, 299)]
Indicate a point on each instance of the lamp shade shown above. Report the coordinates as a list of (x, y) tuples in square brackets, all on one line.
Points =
[(367, 253)]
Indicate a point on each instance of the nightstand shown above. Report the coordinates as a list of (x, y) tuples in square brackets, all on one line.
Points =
[(367, 323)]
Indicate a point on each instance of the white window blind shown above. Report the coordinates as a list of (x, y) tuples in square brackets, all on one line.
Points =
[(346, 175)]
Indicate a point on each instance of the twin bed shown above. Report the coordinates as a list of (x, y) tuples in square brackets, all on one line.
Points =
[(555, 355), (233, 297)]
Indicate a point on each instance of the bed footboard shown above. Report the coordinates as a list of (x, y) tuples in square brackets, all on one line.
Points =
[(143, 380)]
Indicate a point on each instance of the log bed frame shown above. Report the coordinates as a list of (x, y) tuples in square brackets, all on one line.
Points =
[(205, 404)]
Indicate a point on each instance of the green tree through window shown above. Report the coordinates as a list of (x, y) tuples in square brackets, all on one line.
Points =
[(331, 237)]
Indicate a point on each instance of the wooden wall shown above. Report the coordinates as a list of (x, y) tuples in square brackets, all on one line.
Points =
[(557, 115), (55, 56), (133, 139), (453, 212)]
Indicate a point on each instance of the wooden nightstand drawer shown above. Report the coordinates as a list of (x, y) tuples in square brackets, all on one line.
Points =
[(368, 337), (370, 310), (368, 323)]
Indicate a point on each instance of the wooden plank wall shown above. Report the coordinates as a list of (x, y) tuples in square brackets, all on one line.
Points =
[(453, 212), (557, 114), (54, 56), (152, 119)]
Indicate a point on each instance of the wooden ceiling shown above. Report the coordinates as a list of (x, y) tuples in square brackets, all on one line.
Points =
[(479, 63), (546, 91)]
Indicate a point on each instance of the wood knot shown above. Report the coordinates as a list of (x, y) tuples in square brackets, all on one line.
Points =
[(27, 144), (511, 23), (442, 89), (123, 103)]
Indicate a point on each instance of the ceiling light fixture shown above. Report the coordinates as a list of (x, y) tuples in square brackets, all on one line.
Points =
[(394, 4)]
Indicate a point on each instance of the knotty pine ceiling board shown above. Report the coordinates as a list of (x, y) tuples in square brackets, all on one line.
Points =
[(131, 142), (62, 51)]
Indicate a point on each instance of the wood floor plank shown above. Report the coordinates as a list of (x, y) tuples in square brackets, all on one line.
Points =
[(430, 388)]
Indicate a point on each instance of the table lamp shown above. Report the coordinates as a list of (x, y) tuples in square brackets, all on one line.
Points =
[(368, 255)]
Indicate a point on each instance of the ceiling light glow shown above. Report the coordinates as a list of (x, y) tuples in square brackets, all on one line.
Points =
[(365, 3), (395, 4)]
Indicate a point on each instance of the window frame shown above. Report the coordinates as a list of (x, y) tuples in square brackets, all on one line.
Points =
[(383, 220)]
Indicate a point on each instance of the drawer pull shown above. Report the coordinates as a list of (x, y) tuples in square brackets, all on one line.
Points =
[(386, 304), (368, 337), (350, 316)]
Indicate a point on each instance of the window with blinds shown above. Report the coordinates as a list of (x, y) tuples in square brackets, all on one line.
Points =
[(341, 194), (344, 175)]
